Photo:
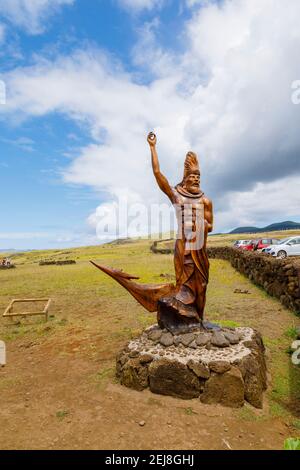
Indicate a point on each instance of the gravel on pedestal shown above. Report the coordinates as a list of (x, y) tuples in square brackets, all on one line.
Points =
[(225, 366)]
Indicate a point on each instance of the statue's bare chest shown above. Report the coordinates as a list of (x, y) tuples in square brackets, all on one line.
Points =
[(190, 219)]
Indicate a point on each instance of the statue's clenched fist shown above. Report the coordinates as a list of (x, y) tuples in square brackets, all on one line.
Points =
[(152, 139)]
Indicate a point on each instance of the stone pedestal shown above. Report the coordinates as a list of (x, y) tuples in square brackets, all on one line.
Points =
[(226, 366)]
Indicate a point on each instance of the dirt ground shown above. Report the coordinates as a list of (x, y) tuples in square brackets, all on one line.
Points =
[(58, 389)]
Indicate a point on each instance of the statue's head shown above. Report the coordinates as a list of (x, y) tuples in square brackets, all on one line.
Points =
[(191, 178)]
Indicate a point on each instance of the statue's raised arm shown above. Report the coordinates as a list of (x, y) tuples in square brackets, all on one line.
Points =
[(160, 178)]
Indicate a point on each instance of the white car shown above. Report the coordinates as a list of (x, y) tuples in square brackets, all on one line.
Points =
[(287, 247)]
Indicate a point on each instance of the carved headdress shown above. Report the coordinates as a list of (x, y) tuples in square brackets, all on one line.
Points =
[(191, 165)]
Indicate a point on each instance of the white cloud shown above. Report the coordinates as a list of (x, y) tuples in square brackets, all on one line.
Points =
[(2, 33), (192, 3), (22, 235), (228, 97), (266, 203), (30, 14), (243, 118), (147, 54), (43, 240), (88, 88), (138, 5), (23, 143)]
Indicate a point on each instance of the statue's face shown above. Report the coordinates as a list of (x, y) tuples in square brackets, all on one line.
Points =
[(192, 183)]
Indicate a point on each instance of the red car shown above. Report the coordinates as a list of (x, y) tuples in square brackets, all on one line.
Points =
[(249, 246), (263, 243)]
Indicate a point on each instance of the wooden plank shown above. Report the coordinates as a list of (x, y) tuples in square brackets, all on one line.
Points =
[(30, 300), (47, 306), (8, 309), (2, 354), (24, 314)]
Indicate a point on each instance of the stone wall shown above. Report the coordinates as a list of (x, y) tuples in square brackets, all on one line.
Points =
[(279, 278), (163, 247), (56, 263)]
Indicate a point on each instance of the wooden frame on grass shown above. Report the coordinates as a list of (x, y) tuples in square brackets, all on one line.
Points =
[(10, 313)]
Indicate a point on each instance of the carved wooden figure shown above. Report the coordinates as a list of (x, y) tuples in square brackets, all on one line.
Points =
[(179, 307)]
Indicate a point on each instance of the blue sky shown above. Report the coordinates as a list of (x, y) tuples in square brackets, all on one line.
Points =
[(87, 79), (33, 197)]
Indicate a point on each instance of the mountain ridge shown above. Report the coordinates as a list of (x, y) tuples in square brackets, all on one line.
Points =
[(288, 225)]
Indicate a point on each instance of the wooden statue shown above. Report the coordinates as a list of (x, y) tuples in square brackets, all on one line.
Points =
[(179, 307)]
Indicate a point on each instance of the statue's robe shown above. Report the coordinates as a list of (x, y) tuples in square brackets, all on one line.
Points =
[(191, 260)]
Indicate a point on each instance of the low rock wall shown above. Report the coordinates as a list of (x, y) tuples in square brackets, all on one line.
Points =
[(279, 278)]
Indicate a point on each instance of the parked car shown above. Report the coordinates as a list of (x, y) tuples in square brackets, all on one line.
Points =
[(287, 247), (251, 245), (263, 243), (269, 248), (241, 244)]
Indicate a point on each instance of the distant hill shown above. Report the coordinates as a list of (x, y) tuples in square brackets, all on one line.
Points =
[(121, 241), (270, 228)]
